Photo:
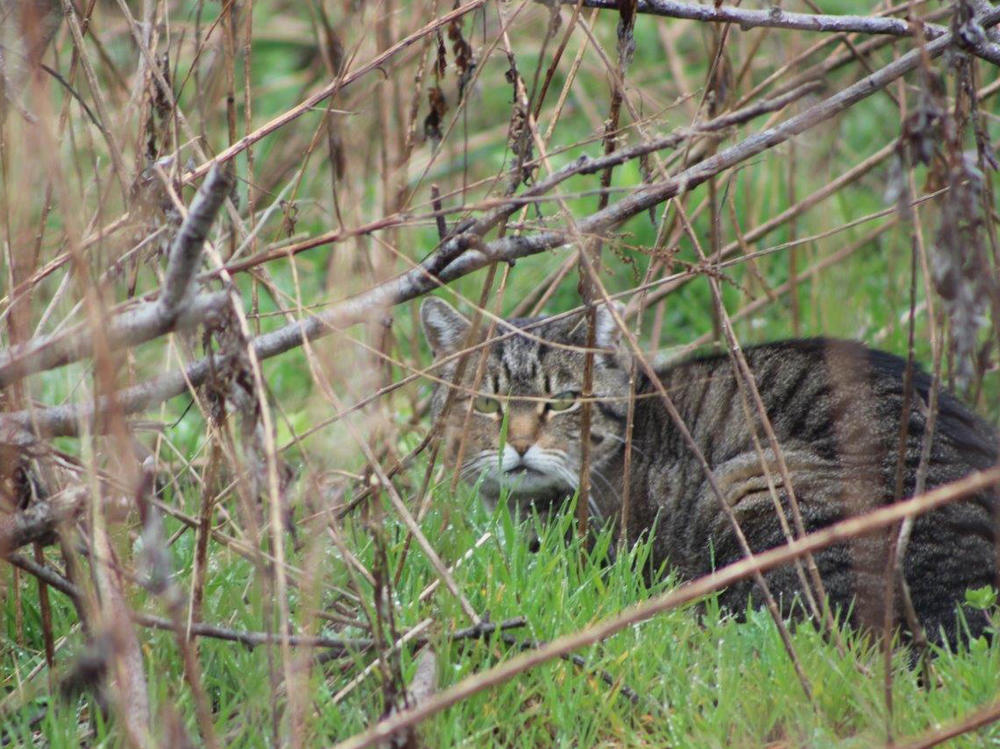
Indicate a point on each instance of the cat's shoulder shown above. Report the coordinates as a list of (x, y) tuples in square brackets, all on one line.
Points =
[(845, 358), (787, 349)]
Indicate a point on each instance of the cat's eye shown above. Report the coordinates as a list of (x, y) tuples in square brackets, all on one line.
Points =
[(486, 405), (564, 401)]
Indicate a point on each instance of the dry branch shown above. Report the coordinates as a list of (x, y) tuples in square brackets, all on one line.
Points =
[(772, 18), (341, 645), (176, 307), (185, 252), (39, 521), (127, 329), (252, 639), (776, 18), (462, 255), (129, 693), (978, 719)]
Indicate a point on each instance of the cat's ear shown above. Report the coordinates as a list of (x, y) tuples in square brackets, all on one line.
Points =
[(444, 326), (608, 334)]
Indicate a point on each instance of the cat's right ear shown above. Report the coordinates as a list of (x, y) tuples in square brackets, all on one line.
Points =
[(444, 326)]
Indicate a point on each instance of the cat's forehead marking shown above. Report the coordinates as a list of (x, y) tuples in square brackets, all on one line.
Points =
[(519, 361)]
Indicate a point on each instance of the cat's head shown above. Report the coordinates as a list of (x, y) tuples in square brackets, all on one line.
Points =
[(520, 427)]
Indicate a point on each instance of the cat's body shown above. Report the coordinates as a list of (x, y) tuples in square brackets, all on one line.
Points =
[(834, 407)]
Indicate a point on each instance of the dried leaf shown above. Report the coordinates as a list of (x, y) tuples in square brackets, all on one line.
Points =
[(438, 108)]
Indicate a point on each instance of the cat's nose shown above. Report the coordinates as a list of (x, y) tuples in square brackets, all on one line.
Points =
[(522, 446)]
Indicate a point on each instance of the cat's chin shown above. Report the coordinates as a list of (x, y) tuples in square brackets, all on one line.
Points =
[(525, 486), (528, 481)]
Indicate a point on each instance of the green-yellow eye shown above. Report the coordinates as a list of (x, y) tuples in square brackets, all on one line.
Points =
[(486, 405), (564, 401)]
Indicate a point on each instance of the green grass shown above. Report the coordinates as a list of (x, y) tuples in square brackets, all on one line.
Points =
[(704, 677)]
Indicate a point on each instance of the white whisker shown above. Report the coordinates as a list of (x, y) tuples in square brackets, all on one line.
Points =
[(617, 438)]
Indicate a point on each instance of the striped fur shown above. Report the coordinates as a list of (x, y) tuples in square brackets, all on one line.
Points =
[(835, 408)]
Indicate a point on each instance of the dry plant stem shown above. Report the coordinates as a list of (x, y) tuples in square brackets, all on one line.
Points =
[(351, 560), (590, 254), (39, 520), (584, 500), (130, 695), (902, 436), (404, 512), (65, 420), (848, 41), (45, 608), (978, 719), (571, 76), (582, 166), (775, 17), (580, 662), (793, 234), (252, 639), (759, 563), (384, 653), (937, 351), (161, 582), (784, 288), (551, 71), (626, 509), (273, 492), (149, 320), (14, 292), (99, 104), (463, 363), (820, 70), (202, 533), (344, 79), (427, 592), (785, 216), (425, 497)]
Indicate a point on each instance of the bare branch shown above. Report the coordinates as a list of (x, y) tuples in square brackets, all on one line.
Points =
[(185, 251), (462, 255), (149, 320), (129, 693), (39, 520), (775, 18), (128, 329)]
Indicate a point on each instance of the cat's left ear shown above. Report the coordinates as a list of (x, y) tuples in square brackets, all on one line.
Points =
[(444, 326), (608, 334)]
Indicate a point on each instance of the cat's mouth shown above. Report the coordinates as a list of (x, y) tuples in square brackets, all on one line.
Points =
[(522, 470)]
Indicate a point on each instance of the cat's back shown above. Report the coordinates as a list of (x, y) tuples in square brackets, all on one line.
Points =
[(836, 409), (840, 397)]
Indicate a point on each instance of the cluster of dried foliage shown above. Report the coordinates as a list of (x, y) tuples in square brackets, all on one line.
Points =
[(352, 170)]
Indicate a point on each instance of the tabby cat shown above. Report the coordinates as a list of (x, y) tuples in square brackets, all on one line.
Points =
[(835, 409)]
